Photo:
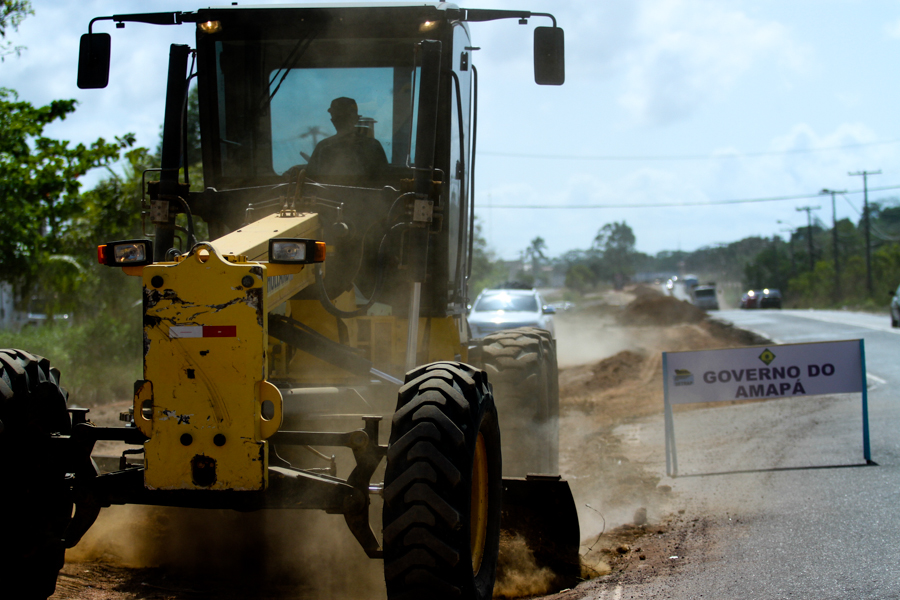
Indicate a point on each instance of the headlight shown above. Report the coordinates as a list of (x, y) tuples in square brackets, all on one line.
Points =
[(296, 251), (127, 253)]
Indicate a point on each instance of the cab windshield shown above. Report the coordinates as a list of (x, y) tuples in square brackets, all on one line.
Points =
[(276, 102)]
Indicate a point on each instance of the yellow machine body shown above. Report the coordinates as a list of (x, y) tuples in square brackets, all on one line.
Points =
[(205, 402)]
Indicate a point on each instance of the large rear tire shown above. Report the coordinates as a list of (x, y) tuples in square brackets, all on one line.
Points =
[(521, 365), (442, 487), (35, 498)]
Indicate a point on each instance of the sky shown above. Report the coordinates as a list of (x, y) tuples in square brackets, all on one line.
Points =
[(671, 110)]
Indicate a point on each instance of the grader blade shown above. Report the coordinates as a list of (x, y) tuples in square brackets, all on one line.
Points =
[(541, 509)]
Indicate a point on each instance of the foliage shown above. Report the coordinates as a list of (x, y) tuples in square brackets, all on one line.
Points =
[(534, 254), (39, 187), (486, 269), (580, 278), (99, 358), (828, 282), (12, 12)]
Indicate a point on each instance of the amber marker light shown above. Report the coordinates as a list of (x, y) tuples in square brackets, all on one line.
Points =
[(210, 26)]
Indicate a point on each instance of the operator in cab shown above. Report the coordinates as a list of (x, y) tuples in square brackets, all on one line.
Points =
[(351, 156)]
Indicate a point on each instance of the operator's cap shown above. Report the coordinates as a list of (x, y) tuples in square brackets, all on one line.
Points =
[(343, 106)]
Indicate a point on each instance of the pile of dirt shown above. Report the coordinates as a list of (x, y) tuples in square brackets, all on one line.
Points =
[(734, 336), (609, 372), (642, 291), (656, 309)]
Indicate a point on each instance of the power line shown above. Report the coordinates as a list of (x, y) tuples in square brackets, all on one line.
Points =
[(879, 233), (683, 156), (673, 204)]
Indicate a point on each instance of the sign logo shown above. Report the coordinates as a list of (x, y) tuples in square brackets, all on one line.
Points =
[(767, 356), (683, 377)]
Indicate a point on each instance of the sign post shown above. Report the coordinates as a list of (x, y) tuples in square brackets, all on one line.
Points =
[(776, 371)]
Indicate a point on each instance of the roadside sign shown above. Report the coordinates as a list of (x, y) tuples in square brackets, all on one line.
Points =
[(759, 372)]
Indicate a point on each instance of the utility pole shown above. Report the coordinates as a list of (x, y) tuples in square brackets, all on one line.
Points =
[(790, 232), (809, 209), (865, 175), (834, 244)]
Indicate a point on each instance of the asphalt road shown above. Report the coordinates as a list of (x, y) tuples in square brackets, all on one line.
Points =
[(791, 508)]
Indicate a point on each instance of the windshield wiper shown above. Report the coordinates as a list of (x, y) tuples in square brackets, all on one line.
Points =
[(293, 58)]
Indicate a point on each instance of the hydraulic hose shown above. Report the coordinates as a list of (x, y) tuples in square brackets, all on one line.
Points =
[(329, 306)]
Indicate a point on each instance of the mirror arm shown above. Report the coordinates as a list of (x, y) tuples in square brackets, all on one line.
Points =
[(166, 18), (478, 14)]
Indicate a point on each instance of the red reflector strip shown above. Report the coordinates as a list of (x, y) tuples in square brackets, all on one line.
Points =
[(219, 331), (204, 331)]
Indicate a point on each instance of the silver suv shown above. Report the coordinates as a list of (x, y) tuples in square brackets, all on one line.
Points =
[(497, 309)]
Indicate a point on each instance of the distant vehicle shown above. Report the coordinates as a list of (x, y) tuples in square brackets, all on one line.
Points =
[(704, 296), (895, 308), (690, 282), (497, 309), (670, 285), (750, 299), (770, 298)]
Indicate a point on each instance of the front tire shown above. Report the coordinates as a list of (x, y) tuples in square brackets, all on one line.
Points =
[(442, 487), (35, 499)]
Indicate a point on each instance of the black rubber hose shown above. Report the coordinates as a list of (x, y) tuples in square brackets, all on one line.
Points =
[(329, 306)]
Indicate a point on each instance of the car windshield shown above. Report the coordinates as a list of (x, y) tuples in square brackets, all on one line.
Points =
[(704, 293), (507, 302)]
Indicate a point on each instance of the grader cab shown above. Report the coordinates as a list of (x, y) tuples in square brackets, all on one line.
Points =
[(338, 150)]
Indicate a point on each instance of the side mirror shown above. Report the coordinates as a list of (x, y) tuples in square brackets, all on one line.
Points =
[(93, 61), (548, 310), (549, 56)]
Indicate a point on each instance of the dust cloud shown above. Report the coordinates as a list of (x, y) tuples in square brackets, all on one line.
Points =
[(611, 358), (518, 575), (277, 553)]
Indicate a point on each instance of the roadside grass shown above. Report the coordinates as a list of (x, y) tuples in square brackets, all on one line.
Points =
[(99, 359)]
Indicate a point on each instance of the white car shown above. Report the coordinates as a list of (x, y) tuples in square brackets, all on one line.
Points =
[(497, 309), (704, 296)]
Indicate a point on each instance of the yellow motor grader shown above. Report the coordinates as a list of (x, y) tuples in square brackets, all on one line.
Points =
[(333, 293)]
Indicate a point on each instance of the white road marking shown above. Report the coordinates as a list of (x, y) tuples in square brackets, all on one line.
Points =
[(875, 378), (843, 320)]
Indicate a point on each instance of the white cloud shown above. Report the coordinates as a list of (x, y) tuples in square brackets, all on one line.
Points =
[(692, 52), (893, 28)]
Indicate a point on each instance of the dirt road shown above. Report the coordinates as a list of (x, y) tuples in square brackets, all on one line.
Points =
[(630, 521)]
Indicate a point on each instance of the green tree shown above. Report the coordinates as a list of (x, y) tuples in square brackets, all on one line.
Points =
[(39, 186), (580, 278), (771, 267), (486, 269), (615, 243), (12, 12), (534, 254)]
